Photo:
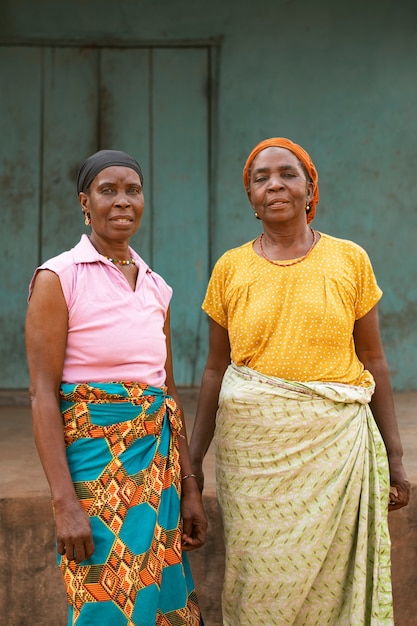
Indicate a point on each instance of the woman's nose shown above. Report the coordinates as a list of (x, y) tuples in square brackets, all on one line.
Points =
[(275, 182), (122, 199)]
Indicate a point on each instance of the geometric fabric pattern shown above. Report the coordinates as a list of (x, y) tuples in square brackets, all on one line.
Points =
[(122, 450), (303, 485)]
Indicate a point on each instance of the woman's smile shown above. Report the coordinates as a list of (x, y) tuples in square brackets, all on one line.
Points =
[(121, 220), (277, 202)]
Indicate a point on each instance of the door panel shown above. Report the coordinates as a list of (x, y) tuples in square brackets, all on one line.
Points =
[(126, 116), (70, 130), (20, 146), (59, 105), (180, 194)]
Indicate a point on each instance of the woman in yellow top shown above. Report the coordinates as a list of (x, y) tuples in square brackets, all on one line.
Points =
[(306, 437)]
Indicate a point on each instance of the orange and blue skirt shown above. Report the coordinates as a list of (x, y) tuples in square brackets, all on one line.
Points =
[(122, 451)]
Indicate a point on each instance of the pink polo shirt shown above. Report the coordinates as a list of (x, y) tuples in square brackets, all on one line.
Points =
[(114, 333)]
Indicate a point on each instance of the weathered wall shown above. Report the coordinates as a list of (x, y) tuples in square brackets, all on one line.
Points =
[(339, 78)]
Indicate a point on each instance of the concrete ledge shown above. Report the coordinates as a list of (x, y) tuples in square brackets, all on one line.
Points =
[(403, 530), (31, 589)]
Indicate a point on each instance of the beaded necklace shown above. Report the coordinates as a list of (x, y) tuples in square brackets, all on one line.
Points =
[(130, 261), (283, 264)]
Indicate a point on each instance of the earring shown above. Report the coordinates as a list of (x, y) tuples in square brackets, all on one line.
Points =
[(257, 216), (308, 208), (87, 220)]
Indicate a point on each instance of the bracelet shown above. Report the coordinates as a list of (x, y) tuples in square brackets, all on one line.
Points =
[(189, 476)]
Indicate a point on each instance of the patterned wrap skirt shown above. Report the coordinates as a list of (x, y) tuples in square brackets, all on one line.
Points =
[(303, 485), (122, 451)]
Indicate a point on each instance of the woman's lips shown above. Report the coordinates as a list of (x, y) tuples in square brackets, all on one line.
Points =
[(277, 203)]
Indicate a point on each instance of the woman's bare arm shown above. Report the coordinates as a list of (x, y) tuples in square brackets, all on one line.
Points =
[(370, 352), (46, 337), (205, 421), (192, 512)]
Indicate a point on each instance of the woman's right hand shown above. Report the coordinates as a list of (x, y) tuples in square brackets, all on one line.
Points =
[(400, 488), (73, 530)]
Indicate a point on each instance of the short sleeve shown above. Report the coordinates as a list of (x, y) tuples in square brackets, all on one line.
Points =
[(214, 302), (163, 290), (369, 293), (63, 266)]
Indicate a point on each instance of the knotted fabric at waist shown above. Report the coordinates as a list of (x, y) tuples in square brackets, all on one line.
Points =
[(121, 410), (335, 392)]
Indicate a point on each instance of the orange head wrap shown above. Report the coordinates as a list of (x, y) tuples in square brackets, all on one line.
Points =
[(300, 153)]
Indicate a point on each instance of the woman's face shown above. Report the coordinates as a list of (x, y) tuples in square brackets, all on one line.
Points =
[(114, 203), (278, 188)]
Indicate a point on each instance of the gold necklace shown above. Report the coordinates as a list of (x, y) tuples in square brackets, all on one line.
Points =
[(282, 264)]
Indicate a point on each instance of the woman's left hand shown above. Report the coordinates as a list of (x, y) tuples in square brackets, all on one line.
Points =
[(194, 522), (399, 494)]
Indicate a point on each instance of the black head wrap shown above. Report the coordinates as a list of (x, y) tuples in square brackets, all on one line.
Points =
[(99, 161)]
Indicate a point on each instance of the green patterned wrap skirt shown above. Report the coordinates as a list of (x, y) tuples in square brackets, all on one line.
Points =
[(303, 485)]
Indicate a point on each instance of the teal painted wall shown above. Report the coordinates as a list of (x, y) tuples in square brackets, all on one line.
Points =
[(74, 108), (339, 78)]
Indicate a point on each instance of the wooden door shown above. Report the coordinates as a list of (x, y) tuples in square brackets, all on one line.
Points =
[(57, 106)]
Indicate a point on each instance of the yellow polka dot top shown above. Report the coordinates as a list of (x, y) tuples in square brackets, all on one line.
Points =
[(295, 322)]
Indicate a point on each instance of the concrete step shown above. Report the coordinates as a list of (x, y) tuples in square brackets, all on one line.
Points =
[(31, 590)]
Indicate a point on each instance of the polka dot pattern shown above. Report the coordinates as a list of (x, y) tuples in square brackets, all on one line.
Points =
[(295, 322)]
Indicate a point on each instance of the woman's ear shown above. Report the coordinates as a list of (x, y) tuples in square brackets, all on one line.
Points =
[(310, 189), (83, 198)]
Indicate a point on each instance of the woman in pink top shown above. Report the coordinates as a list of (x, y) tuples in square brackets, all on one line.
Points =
[(107, 419)]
